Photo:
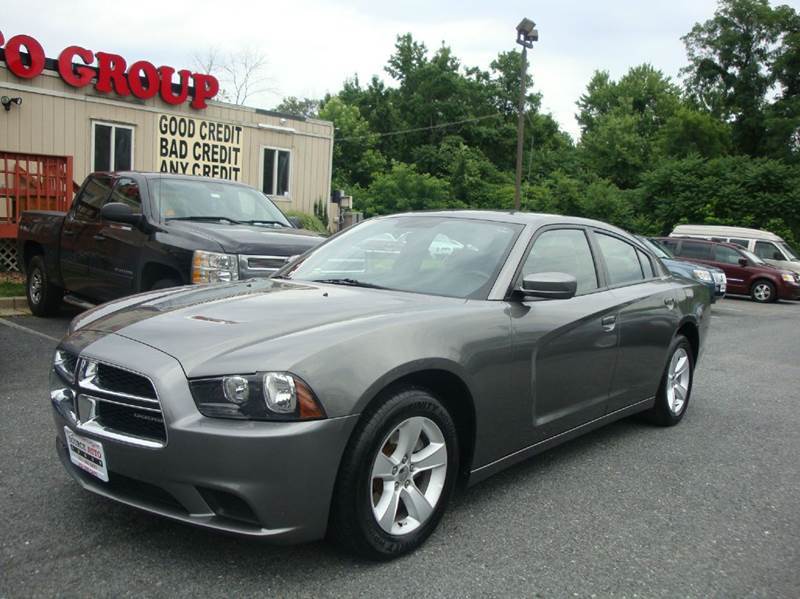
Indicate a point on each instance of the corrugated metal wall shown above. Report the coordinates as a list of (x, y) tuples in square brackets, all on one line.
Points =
[(56, 119)]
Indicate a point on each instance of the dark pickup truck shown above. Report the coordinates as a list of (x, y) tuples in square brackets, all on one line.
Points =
[(128, 232)]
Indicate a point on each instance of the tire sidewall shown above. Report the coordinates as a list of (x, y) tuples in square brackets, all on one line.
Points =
[(666, 413), (400, 406), (772, 291)]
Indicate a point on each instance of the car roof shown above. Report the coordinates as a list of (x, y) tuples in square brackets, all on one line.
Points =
[(516, 216), (726, 231)]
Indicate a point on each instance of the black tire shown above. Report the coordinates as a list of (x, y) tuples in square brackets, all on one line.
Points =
[(44, 298), (353, 523), (763, 291), (164, 284), (661, 413)]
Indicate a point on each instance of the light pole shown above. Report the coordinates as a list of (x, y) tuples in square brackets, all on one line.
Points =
[(526, 35)]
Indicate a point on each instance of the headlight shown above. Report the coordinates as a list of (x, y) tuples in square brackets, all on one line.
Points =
[(261, 396), (788, 277), (702, 275), (213, 267)]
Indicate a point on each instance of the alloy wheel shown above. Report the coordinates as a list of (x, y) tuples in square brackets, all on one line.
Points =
[(35, 286), (762, 292), (408, 475), (678, 380)]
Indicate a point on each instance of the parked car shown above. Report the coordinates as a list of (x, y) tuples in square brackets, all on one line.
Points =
[(277, 407), (711, 276), (129, 232), (746, 273), (767, 246)]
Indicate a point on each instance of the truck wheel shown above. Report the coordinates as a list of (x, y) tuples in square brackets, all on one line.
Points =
[(44, 298), (763, 292), (164, 284)]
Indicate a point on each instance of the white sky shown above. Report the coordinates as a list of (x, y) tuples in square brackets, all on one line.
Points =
[(313, 45)]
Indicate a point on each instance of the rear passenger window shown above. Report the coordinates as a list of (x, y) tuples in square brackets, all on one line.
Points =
[(647, 265), (563, 250), (696, 249), (741, 242), (621, 260)]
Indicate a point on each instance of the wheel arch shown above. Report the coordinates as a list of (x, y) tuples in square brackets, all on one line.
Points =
[(444, 380), (689, 329), (154, 271)]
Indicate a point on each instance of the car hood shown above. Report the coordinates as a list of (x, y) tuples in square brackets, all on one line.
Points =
[(203, 325), (248, 239)]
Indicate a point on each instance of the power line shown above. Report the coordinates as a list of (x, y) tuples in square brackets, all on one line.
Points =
[(416, 129)]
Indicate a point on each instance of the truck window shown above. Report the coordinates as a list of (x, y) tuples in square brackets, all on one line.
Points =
[(768, 251), (126, 191), (92, 197)]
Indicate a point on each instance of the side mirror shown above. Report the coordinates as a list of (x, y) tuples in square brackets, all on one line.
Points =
[(120, 213), (743, 262), (550, 285), (295, 222)]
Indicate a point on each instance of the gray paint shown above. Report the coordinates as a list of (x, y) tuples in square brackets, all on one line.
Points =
[(538, 371)]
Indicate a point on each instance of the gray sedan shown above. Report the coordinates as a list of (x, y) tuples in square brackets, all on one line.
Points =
[(351, 393)]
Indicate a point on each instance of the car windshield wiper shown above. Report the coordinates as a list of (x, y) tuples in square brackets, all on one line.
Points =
[(214, 218), (349, 282), (259, 221)]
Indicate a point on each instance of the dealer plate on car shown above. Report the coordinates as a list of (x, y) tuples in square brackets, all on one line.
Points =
[(87, 454)]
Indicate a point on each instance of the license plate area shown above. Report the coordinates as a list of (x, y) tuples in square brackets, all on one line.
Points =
[(87, 454)]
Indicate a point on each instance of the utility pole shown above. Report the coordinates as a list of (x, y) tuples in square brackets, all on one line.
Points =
[(526, 35)]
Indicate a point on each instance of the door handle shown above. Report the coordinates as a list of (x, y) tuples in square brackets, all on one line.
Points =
[(608, 323), (68, 233), (99, 237), (669, 302)]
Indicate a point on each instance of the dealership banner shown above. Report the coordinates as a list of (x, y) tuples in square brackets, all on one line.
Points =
[(199, 147)]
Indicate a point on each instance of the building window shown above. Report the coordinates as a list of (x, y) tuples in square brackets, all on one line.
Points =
[(112, 147), (275, 172)]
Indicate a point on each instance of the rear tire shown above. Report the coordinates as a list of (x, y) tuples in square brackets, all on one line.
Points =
[(676, 385), (44, 298), (397, 475), (763, 292)]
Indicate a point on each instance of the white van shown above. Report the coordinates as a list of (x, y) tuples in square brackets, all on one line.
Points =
[(767, 246)]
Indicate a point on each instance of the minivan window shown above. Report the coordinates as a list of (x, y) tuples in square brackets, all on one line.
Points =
[(789, 252), (621, 261), (695, 249), (726, 255), (741, 242), (767, 251)]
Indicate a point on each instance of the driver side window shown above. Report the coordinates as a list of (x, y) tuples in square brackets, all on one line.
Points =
[(566, 251)]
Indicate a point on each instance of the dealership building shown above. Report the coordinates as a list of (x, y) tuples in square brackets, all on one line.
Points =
[(62, 118)]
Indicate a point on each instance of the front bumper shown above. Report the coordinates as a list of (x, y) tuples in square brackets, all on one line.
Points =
[(789, 292), (265, 479)]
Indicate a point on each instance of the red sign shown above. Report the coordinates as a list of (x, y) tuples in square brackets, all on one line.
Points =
[(111, 75)]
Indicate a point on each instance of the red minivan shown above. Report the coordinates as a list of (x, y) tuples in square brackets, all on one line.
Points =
[(747, 273)]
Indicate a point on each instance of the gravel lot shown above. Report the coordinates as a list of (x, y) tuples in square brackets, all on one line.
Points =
[(708, 508)]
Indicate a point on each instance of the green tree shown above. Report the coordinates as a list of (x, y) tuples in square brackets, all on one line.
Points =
[(305, 107), (735, 60), (690, 131), (403, 189)]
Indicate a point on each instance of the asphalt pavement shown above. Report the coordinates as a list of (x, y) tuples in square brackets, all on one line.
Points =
[(710, 508)]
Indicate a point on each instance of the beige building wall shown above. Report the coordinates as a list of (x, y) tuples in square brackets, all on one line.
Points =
[(56, 119)]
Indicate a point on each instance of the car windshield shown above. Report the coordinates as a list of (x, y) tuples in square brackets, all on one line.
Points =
[(789, 251), (656, 248), (188, 199), (752, 257), (436, 255)]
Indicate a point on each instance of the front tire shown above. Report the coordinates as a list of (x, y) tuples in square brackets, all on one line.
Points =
[(676, 385), (44, 298), (396, 477), (763, 292)]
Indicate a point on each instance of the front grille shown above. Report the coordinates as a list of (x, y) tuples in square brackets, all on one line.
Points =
[(265, 262), (65, 364), (117, 380), (124, 402)]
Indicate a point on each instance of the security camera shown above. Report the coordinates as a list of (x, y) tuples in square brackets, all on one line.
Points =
[(7, 102)]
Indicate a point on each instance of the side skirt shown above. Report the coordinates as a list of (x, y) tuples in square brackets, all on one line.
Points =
[(486, 471)]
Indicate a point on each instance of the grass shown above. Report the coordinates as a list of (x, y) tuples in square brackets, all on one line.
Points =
[(11, 284)]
